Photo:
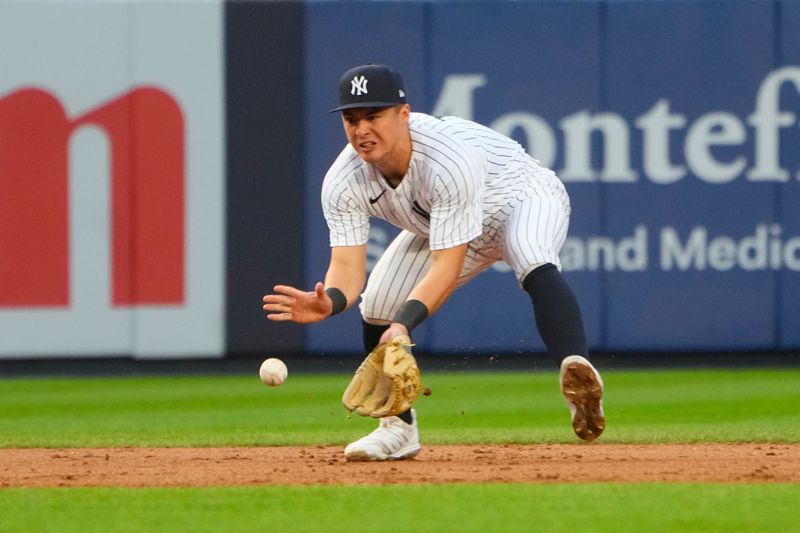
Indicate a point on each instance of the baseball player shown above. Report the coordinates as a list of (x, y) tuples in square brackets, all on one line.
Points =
[(464, 197)]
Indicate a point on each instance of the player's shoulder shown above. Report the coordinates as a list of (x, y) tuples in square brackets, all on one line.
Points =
[(439, 131), (448, 130), (349, 181), (342, 174), (444, 139), (438, 124), (345, 165)]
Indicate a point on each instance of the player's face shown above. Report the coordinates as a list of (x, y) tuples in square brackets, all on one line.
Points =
[(377, 133)]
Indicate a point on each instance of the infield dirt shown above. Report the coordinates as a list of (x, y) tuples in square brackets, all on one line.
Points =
[(325, 465)]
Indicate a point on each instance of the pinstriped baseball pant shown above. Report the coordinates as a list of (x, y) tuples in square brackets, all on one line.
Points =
[(527, 235)]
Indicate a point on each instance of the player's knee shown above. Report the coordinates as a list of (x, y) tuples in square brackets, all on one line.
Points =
[(541, 272), (370, 309)]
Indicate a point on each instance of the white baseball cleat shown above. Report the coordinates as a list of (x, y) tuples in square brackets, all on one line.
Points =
[(392, 441), (582, 388)]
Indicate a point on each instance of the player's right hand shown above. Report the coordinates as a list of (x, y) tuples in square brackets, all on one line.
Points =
[(294, 305)]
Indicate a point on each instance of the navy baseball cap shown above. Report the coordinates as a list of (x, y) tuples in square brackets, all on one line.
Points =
[(370, 85)]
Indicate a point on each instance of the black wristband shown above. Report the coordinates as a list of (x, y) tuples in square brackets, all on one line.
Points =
[(338, 298), (411, 314)]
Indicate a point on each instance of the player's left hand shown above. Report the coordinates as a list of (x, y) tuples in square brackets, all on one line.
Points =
[(387, 383), (393, 331), (303, 307)]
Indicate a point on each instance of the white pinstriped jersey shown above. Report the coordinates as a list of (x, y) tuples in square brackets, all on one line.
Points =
[(463, 183)]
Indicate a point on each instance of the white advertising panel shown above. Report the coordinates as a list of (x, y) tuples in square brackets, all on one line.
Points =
[(112, 189)]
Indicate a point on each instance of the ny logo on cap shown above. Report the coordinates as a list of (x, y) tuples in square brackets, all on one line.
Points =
[(358, 86)]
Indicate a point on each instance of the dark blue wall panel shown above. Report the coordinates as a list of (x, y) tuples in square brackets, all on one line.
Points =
[(789, 194), (699, 58)]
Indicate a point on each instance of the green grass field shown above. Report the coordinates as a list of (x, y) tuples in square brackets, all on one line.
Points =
[(497, 407)]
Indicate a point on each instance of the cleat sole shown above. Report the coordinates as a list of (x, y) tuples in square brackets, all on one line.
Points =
[(580, 386)]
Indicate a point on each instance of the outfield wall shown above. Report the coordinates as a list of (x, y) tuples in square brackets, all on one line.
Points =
[(160, 166)]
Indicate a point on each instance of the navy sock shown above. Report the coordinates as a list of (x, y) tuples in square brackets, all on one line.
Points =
[(372, 335), (557, 314)]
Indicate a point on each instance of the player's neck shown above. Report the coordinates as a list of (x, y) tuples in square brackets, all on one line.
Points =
[(394, 166)]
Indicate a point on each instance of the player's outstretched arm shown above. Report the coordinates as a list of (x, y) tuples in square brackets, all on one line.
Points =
[(294, 305), (346, 275)]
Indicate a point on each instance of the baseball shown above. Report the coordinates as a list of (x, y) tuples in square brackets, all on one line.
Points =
[(273, 372)]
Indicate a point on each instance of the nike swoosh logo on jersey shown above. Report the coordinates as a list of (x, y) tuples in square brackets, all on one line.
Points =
[(373, 200)]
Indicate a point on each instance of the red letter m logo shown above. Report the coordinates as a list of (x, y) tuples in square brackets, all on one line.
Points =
[(146, 132)]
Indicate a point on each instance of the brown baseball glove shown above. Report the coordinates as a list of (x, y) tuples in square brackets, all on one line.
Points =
[(387, 383)]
